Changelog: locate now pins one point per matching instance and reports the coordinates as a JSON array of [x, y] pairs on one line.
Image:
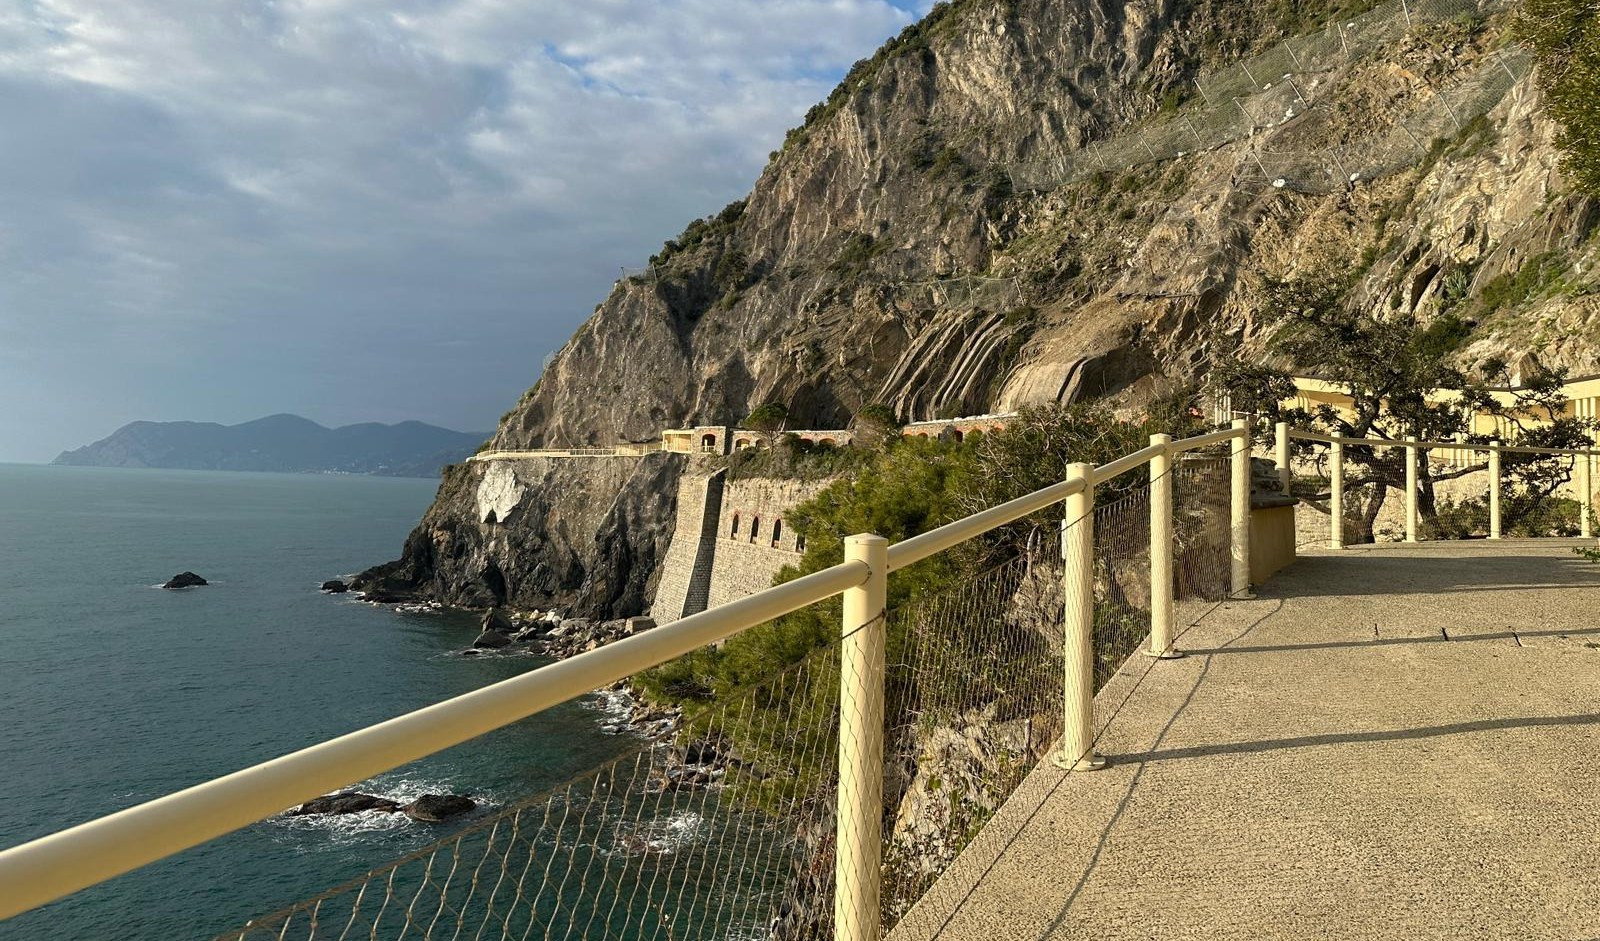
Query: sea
[[114, 691]]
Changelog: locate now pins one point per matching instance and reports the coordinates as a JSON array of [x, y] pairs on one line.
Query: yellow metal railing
[[54, 866], [1416, 450]]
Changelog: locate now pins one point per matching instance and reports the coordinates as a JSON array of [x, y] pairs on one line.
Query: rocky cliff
[[904, 246]]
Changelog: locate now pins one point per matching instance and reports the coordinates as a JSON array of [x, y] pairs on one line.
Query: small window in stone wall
[[755, 529], [799, 542], [777, 532], [735, 530]]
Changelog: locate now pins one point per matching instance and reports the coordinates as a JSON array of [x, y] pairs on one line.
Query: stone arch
[[799, 542], [734, 532], [708, 443], [755, 528], [777, 531]]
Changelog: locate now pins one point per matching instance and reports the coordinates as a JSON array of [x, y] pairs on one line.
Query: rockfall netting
[[1287, 82]]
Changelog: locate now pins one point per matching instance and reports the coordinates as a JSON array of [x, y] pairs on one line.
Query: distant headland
[[283, 443]]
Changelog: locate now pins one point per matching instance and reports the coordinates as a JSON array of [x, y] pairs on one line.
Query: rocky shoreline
[[687, 766]]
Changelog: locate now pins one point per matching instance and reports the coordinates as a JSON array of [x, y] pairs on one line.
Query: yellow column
[[1077, 549], [1494, 490], [1281, 456], [1336, 497], [1411, 488], [1586, 493], [859, 848], [1161, 551], [1240, 522]]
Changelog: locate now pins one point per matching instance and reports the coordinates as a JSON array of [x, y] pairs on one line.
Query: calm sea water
[[113, 691]]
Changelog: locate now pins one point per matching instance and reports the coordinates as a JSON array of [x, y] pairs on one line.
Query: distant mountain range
[[286, 443]]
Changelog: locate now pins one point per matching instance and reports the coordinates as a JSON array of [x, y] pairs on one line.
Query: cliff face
[[905, 247]]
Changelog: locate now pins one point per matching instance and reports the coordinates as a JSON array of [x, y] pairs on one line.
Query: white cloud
[[371, 170]]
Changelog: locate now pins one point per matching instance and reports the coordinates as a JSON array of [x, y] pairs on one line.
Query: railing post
[[1240, 522], [1586, 499], [1161, 586], [859, 847], [1280, 455], [1494, 490], [1077, 595], [1411, 488], [1336, 495]]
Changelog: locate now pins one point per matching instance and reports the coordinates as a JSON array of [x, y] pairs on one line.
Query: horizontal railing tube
[[57, 865], [1429, 445], [934, 541], [1126, 463], [1202, 441]]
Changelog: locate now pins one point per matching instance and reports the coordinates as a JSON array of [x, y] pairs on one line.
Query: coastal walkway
[[1387, 742]]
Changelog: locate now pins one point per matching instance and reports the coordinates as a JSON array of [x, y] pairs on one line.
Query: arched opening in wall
[[799, 542], [734, 532], [923, 435], [827, 441], [743, 443], [755, 529], [708, 444], [956, 434], [777, 532]]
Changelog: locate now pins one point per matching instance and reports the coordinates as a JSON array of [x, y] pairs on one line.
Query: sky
[[361, 210]]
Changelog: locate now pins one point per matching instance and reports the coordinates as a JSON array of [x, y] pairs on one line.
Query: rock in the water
[[432, 808], [492, 640], [384, 596], [496, 619], [184, 580], [334, 586], [345, 802]]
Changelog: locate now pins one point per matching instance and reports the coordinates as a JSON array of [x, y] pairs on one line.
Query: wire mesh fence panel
[[1310, 483], [1121, 581], [725, 832], [974, 702], [1202, 535]]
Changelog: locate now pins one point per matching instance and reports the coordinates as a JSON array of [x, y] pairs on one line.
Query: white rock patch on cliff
[[499, 492]]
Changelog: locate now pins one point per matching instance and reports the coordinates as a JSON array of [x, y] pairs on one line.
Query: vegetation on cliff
[[909, 488], [1566, 36]]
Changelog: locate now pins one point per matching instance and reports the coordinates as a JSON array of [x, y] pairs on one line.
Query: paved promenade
[[1395, 743]]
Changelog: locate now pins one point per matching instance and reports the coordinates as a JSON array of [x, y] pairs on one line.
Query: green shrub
[[1565, 36], [1516, 287]]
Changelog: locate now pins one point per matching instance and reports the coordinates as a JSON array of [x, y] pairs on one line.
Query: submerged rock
[[345, 802], [432, 808], [334, 586], [184, 580]]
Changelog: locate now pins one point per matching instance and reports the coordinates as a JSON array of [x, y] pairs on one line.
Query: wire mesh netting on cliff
[[728, 830], [1285, 84]]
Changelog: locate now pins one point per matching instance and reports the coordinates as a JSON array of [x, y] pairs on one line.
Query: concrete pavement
[[1398, 742]]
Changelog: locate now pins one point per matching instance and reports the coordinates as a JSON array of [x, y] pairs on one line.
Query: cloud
[[214, 210]]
